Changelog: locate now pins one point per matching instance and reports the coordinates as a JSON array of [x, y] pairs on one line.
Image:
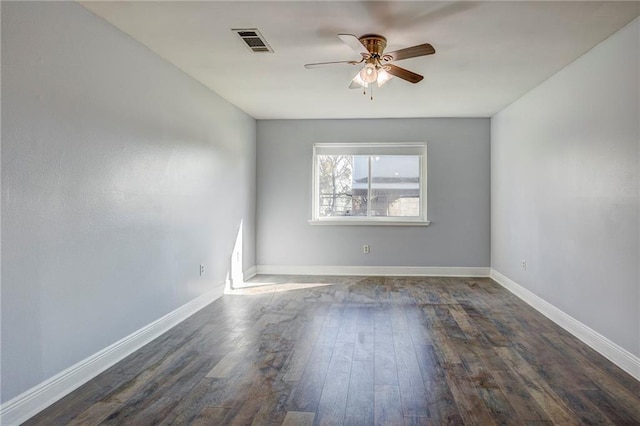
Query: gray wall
[[458, 195], [564, 182], [120, 175]]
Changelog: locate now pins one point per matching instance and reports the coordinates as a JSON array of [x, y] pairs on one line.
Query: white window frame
[[370, 149]]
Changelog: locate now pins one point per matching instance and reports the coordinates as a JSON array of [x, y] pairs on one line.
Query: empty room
[[320, 213]]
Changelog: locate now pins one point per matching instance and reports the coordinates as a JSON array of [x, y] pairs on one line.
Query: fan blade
[[354, 85], [354, 43], [411, 52], [321, 64], [402, 73]]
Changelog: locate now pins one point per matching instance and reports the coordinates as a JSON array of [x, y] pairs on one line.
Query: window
[[370, 184]]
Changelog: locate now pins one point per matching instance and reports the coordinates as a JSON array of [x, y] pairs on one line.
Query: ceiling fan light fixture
[[369, 73], [359, 81], [383, 77], [377, 67]]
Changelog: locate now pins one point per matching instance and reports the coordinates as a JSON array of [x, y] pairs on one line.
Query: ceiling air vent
[[253, 39]]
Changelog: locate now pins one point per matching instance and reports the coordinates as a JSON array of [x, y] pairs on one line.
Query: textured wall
[[565, 164], [458, 196], [120, 175]]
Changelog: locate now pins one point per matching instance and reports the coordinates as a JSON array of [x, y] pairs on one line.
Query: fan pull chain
[[364, 90]]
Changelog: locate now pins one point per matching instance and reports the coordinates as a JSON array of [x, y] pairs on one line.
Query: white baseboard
[[249, 273], [39, 397], [404, 271], [614, 353]]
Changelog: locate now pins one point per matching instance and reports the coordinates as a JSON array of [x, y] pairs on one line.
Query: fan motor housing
[[374, 43]]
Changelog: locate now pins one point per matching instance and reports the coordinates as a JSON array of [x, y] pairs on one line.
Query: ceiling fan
[[377, 64]]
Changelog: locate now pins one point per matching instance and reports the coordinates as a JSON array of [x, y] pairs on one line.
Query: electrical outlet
[[523, 263], [365, 249], [201, 270]]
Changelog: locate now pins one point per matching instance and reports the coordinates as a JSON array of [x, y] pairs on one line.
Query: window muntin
[[369, 182]]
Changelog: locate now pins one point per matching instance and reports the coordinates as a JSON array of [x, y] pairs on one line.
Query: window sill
[[339, 222]]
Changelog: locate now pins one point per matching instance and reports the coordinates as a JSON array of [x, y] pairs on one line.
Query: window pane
[[395, 185], [335, 187], [360, 184]]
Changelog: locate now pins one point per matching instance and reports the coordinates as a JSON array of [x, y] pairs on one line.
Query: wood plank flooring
[[359, 351]]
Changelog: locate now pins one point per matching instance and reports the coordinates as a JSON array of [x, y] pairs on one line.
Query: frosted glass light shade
[[383, 77], [359, 81], [369, 73]]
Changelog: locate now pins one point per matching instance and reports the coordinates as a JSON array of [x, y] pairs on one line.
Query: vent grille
[[253, 39]]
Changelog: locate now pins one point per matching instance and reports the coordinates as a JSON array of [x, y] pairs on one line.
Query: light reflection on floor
[[270, 287]]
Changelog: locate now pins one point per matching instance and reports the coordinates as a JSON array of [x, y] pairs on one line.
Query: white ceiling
[[488, 54]]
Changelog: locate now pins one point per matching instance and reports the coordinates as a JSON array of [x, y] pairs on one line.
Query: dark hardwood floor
[[359, 351]]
